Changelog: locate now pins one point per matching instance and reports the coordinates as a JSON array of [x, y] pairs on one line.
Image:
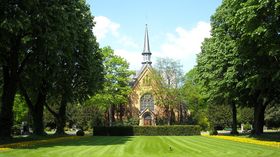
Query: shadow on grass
[[273, 136], [84, 141], [267, 136]]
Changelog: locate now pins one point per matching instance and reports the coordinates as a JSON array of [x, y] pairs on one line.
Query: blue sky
[[176, 27]]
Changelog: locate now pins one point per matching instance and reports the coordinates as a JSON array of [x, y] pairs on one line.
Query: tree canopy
[[239, 63], [116, 88], [46, 56]]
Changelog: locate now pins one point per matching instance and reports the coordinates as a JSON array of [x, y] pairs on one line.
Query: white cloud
[[107, 32], [134, 58], [105, 26], [184, 44]]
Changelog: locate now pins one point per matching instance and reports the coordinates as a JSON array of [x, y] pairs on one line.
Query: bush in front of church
[[172, 130]]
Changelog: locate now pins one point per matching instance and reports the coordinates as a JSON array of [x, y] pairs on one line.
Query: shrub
[[173, 130], [247, 127], [213, 132], [16, 129], [80, 133], [48, 129], [131, 122]]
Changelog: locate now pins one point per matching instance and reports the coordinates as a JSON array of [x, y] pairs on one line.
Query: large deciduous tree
[[116, 86], [166, 83], [15, 27], [78, 73], [257, 28], [239, 63], [194, 99], [46, 56]]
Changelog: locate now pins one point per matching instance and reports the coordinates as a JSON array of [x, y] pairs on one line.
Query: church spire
[[146, 52]]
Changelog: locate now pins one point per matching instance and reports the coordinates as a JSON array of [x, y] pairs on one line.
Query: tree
[[194, 99], [257, 33], [37, 47], [20, 110], [217, 70], [219, 116], [239, 63], [167, 80], [245, 115], [14, 45], [116, 84], [80, 67], [272, 116]]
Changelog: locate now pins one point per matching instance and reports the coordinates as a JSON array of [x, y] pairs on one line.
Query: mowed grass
[[145, 146]]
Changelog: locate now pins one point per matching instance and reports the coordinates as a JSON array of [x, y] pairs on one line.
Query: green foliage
[[50, 59], [173, 130], [85, 116], [131, 122], [20, 110], [272, 116], [245, 115], [116, 87], [213, 132], [166, 84], [117, 77], [247, 127], [200, 118], [219, 116], [239, 63], [194, 99]]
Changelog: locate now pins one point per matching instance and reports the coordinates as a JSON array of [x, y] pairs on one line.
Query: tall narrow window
[[147, 101], [147, 81]]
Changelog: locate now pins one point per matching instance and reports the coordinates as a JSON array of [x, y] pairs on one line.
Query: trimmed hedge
[[172, 130]]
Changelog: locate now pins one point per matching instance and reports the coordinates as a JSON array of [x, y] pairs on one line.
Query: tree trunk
[[110, 116], [8, 96], [113, 110], [10, 83], [181, 114], [122, 110], [37, 109], [37, 117], [234, 119], [169, 115], [258, 118], [61, 118], [38, 112]]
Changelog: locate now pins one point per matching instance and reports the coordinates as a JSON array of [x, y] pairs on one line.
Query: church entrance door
[[147, 118]]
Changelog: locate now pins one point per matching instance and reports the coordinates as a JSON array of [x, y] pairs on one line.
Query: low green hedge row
[[172, 130]]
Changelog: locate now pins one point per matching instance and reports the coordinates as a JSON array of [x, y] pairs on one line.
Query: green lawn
[[145, 146]]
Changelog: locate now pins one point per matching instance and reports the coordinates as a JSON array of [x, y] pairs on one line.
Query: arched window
[[147, 101]]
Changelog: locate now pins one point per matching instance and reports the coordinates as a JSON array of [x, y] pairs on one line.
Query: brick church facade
[[142, 98]]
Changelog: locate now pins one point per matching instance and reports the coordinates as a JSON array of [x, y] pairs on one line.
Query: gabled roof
[[141, 74], [146, 110]]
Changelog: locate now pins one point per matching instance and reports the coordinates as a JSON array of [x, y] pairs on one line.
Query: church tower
[[146, 52], [142, 97]]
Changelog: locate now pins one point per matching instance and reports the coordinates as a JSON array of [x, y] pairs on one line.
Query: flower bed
[[249, 140], [36, 142]]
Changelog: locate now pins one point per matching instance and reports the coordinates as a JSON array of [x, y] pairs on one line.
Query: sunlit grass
[[148, 146]]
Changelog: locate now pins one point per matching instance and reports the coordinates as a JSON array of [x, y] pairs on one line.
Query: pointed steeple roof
[[146, 41], [146, 52]]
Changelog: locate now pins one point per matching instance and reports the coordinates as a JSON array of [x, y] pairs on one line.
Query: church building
[[142, 99]]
